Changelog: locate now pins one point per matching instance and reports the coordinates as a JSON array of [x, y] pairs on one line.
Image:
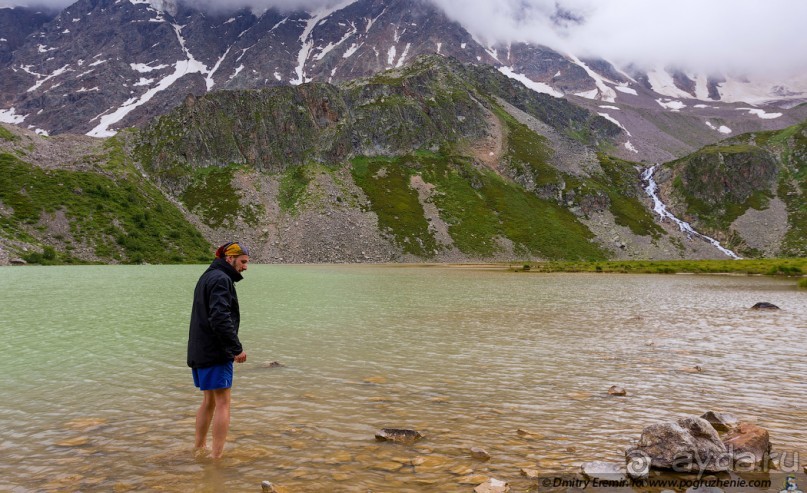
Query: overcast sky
[[744, 35]]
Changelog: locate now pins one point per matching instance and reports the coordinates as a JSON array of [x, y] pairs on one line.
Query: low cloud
[[714, 35]]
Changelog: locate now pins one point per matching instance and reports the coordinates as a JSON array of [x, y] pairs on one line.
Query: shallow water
[[96, 395]]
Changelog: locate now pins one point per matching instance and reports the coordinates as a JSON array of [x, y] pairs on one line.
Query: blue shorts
[[214, 377]]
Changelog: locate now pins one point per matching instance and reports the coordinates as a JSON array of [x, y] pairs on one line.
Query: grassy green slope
[[478, 205], [117, 215], [719, 183]]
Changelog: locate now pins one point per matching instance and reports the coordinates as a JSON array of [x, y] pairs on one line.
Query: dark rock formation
[[764, 305]]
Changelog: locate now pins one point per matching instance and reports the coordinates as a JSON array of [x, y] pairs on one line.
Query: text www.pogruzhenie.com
[[671, 483]]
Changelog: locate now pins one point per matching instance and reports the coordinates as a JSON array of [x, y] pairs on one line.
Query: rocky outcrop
[[429, 104]]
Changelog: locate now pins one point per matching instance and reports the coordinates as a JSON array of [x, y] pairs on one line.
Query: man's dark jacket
[[213, 337]]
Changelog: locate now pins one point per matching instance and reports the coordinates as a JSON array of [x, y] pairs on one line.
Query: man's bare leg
[[204, 416], [221, 421]]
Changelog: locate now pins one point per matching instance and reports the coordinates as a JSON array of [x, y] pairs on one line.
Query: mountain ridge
[[104, 65], [434, 161]]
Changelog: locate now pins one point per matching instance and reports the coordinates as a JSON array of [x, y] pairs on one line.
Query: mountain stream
[[651, 187]]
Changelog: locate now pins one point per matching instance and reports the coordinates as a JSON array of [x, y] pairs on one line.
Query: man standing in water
[[213, 342]]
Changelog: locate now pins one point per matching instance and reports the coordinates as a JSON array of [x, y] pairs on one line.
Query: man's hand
[[241, 357]]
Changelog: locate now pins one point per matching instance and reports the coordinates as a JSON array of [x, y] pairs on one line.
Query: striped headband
[[232, 249]]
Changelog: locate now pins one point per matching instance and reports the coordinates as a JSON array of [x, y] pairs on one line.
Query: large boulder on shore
[[749, 445], [720, 421], [690, 444]]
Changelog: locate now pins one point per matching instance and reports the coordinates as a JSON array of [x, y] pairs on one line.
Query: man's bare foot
[[201, 452]]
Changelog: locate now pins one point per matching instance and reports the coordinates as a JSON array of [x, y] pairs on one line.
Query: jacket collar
[[222, 265]]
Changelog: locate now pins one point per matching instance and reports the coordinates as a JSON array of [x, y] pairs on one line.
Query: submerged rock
[[267, 487], [479, 453], [74, 442], [271, 364], [720, 421], [529, 435], [617, 390], [492, 485], [764, 305], [690, 444], [398, 435], [530, 473], [603, 470]]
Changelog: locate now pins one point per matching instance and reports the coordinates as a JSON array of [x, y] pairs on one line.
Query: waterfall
[[651, 187]]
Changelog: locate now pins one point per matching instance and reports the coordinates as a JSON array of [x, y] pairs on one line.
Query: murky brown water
[[96, 395]]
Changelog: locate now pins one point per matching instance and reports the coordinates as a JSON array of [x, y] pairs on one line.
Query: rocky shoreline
[[696, 452]]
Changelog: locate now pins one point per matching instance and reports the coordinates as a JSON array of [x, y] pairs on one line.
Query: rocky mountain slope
[[433, 161], [749, 191], [104, 65]]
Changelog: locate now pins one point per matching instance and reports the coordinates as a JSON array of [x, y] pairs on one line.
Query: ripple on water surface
[[98, 396]]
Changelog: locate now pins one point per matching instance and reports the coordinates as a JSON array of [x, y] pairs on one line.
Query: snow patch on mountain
[[722, 128], [370, 22], [403, 56], [625, 89], [615, 122], [10, 116], [759, 91], [353, 49], [592, 94], [324, 51], [761, 113], [317, 17], [144, 68], [39, 82], [169, 6], [183, 67], [535, 86], [605, 93], [631, 147], [391, 55], [671, 104], [701, 86], [662, 82]]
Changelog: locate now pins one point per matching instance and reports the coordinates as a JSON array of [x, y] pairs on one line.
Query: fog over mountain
[[740, 36]]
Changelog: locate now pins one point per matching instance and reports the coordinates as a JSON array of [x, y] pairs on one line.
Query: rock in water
[[271, 364], [479, 453], [607, 471], [492, 486], [690, 444], [617, 390], [749, 445], [268, 487], [398, 435], [764, 305], [720, 421]]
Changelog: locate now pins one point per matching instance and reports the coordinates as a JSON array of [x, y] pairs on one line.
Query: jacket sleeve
[[220, 317]]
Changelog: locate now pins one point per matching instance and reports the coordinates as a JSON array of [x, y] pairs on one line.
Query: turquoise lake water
[[96, 395]]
